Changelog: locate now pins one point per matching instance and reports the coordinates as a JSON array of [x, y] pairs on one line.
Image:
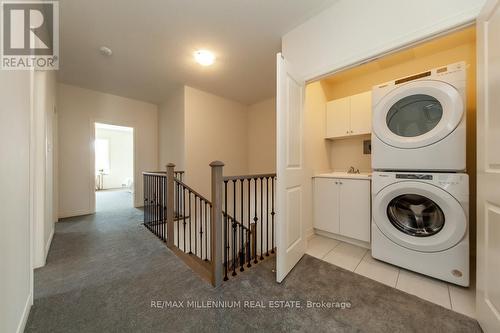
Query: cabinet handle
[[347, 132], [341, 183], [352, 131]]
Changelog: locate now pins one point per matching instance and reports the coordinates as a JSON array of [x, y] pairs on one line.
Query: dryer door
[[418, 114], [419, 216]]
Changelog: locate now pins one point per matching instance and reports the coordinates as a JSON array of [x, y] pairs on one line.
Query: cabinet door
[[355, 209], [361, 113], [326, 204], [337, 118]]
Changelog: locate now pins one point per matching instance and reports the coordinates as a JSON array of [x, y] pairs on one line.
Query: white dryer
[[419, 121], [420, 222]]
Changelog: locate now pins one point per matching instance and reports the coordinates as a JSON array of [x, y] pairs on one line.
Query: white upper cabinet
[[350, 115], [338, 117], [361, 113]]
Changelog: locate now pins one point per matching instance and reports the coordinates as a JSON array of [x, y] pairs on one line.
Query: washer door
[[418, 114], [419, 216]]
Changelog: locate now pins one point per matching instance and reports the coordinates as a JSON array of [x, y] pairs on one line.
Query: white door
[[361, 113], [290, 238], [338, 117], [488, 168]]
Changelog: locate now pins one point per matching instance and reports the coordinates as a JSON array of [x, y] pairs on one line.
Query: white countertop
[[345, 175]]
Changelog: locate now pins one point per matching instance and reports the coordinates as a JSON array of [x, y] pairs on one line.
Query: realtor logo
[[30, 35]]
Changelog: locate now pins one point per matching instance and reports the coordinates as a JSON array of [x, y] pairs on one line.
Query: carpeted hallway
[[104, 270]]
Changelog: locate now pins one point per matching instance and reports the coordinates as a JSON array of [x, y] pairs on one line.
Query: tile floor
[[359, 260]]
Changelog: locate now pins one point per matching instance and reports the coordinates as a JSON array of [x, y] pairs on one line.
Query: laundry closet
[[338, 131]]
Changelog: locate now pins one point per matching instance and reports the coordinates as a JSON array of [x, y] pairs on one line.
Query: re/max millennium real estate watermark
[[30, 35]]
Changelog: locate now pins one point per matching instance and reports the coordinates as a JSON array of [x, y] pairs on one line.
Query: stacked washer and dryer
[[420, 191]]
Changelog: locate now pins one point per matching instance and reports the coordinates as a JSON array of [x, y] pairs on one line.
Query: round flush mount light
[[105, 51], [204, 57]]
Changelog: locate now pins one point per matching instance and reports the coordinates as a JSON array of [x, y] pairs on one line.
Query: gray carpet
[[113, 199], [104, 270]]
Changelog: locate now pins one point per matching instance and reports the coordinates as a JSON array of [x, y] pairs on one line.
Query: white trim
[[26, 313], [345, 239], [47, 245], [80, 212]]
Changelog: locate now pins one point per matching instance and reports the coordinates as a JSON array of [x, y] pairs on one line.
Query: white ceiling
[[153, 42]]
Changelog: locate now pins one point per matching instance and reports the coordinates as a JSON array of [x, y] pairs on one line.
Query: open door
[[488, 168], [290, 237]]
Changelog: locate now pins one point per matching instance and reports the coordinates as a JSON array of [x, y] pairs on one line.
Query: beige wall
[[262, 137], [171, 130], [215, 129], [15, 266], [44, 130], [348, 152], [316, 148], [78, 110]]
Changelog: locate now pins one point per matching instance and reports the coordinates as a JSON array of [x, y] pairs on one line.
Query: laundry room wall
[[454, 47]]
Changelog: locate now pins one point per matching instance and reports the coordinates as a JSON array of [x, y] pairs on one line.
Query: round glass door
[[415, 215], [417, 114], [414, 115]]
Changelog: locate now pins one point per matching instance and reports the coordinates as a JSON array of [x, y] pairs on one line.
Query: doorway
[[114, 167]]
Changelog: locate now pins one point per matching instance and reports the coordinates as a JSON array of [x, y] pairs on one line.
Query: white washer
[[420, 222], [419, 121]]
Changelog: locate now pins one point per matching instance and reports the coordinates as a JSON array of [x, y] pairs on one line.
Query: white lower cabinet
[[342, 206]]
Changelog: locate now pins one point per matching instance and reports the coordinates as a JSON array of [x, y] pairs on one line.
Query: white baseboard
[[345, 239], [25, 315], [49, 242], [64, 215]]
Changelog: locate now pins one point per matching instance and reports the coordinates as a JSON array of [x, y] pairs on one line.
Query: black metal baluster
[[201, 228], [144, 191], [155, 207], [272, 215], [234, 246], [190, 220], [226, 243], [261, 219], [178, 214], [195, 224], [162, 209], [267, 216], [206, 233], [242, 243], [255, 219], [234, 228], [184, 215], [249, 253]]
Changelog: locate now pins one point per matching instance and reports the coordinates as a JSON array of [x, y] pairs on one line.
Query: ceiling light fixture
[[204, 57], [105, 51]]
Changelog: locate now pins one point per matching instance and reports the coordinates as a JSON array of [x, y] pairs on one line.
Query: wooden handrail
[[187, 187], [154, 173], [254, 176]]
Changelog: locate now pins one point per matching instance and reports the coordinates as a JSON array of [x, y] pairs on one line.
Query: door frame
[[93, 121]]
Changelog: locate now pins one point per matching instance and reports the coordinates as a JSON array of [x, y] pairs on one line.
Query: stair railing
[[217, 237]]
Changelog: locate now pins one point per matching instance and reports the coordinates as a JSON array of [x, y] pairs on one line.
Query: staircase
[[218, 238]]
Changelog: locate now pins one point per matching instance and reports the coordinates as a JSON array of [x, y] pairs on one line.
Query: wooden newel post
[[170, 204], [216, 222]]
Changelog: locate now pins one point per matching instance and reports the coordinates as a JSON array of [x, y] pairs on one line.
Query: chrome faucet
[[353, 170]]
